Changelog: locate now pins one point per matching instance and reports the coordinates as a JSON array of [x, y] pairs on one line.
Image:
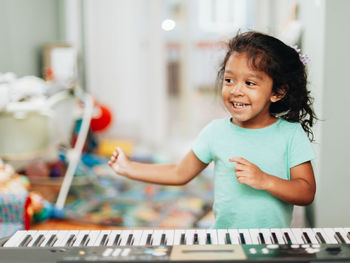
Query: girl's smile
[[247, 93]]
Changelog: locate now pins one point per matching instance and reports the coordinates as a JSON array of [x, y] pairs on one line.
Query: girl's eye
[[249, 83], [229, 81]]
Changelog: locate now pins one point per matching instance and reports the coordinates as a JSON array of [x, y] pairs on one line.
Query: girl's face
[[247, 93]]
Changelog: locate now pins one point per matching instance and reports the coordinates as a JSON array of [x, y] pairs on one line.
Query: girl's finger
[[239, 160]]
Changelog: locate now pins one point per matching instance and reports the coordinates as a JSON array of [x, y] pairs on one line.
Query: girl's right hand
[[119, 162]]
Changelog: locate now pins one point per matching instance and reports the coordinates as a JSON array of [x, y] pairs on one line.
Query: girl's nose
[[237, 90]]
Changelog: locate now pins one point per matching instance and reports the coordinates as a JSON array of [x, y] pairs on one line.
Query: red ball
[[101, 119]]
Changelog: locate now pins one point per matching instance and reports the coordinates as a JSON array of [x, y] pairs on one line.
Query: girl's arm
[[299, 190], [167, 174]]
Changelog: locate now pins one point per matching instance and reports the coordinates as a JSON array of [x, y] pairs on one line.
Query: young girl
[[261, 153]]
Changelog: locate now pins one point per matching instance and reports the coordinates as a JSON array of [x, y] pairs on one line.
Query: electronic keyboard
[[180, 245]]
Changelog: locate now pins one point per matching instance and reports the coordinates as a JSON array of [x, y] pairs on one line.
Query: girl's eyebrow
[[250, 75]]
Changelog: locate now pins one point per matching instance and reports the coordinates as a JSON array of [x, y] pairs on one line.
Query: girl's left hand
[[249, 174]]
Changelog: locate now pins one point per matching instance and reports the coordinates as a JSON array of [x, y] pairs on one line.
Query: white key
[[311, 235], [246, 234], [48, 235], [100, 237], [279, 235], [254, 234], [112, 236], [169, 237], [80, 237], [267, 235], [298, 234], [343, 233], [234, 236], [189, 236], [16, 239], [291, 235], [202, 236], [60, 237], [222, 236], [324, 235], [93, 234], [157, 235], [144, 237], [330, 233], [124, 237], [347, 230], [177, 236], [213, 235], [137, 237]]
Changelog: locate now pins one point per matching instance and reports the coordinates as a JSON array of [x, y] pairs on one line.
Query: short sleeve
[[300, 149], [201, 145]]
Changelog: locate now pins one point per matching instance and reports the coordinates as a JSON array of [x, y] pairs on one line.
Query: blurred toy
[[41, 209], [101, 118]]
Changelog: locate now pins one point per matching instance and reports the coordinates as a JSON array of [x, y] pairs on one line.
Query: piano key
[[288, 234], [71, 234], [347, 230], [254, 234], [311, 235], [342, 232], [137, 237], [202, 236], [195, 239], [169, 237], [103, 235], [157, 236], [321, 236], [93, 235], [267, 235], [113, 238], [80, 236], [245, 236], [298, 234], [71, 240], [177, 236], [16, 239], [52, 240], [234, 235], [189, 236], [279, 236], [222, 238], [144, 237], [331, 235], [61, 235], [213, 235]]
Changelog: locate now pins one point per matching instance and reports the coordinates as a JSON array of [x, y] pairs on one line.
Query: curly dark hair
[[282, 63]]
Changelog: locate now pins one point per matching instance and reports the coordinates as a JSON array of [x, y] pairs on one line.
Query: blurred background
[[142, 74]]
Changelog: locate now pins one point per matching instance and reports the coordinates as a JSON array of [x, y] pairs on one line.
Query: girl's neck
[[255, 124]]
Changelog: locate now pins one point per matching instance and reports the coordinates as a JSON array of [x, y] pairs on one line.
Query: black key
[[242, 239], [339, 238], [287, 238], [195, 239], [39, 241], [51, 241], [274, 238], [129, 241], [85, 240], [348, 235], [306, 238], [70, 240], [163, 239], [104, 240], [261, 238], [208, 239], [228, 239], [149, 240], [183, 239], [26, 241], [116, 240], [320, 238]]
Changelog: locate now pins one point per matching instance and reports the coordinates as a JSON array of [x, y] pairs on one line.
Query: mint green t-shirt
[[274, 149]]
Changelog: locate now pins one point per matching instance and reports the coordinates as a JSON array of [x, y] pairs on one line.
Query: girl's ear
[[279, 94]]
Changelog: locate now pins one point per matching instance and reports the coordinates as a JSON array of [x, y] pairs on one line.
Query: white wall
[[326, 40], [126, 66]]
